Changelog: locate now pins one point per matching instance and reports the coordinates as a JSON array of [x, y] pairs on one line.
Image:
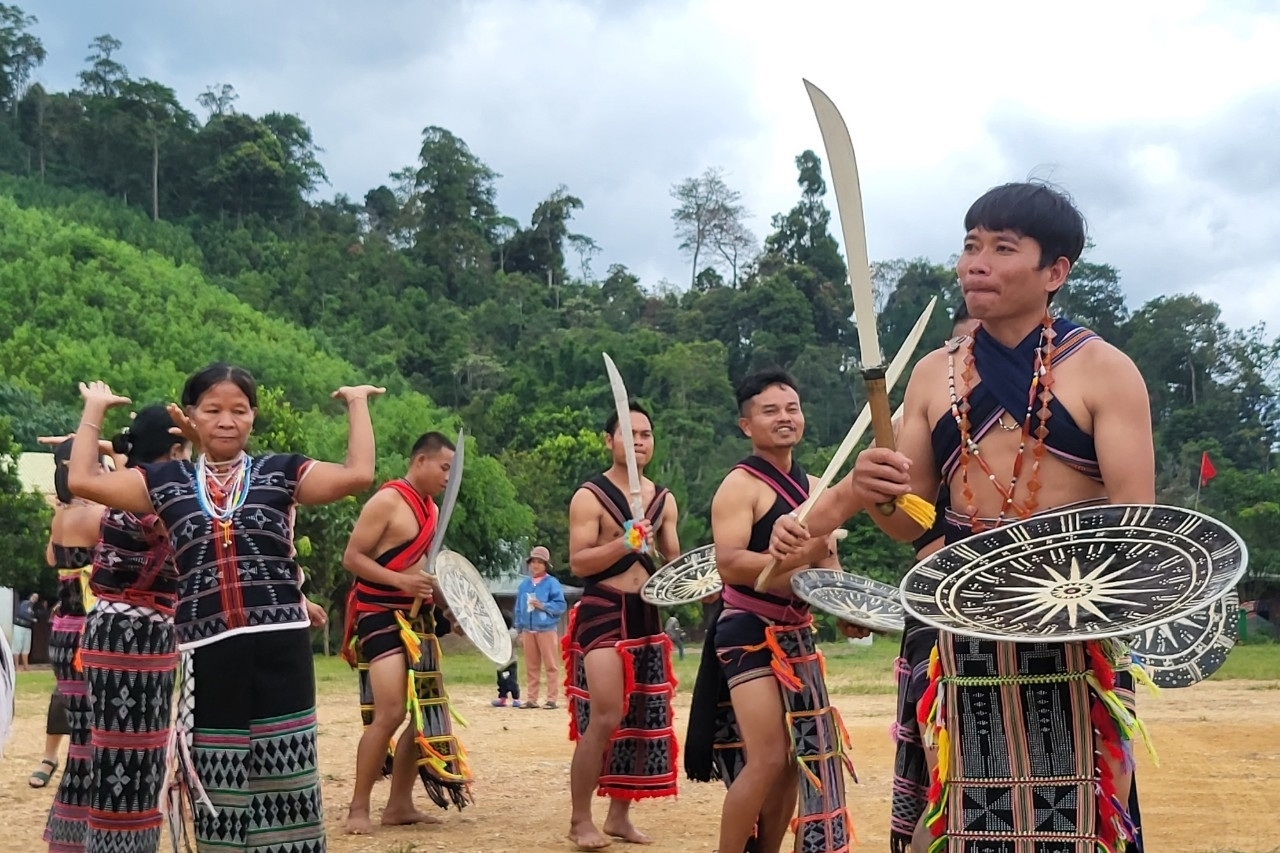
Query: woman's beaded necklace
[[222, 494], [1041, 385]]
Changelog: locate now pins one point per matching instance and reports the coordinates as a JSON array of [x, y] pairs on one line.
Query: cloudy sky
[[1161, 118]]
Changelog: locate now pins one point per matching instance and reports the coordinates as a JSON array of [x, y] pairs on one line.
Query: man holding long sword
[[617, 658], [778, 733], [387, 551], [1016, 422]]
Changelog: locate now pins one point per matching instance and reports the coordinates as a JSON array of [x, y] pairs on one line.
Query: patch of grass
[[1260, 662], [851, 670], [35, 683]]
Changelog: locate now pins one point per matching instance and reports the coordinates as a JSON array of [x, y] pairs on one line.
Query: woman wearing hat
[[538, 608]]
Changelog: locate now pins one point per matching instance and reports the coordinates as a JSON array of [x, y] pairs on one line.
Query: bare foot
[[626, 831], [358, 822], [587, 837], [406, 817]]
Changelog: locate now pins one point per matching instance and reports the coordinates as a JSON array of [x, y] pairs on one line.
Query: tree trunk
[[155, 175]]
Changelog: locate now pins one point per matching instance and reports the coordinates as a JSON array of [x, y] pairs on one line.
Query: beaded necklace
[[1041, 385], [220, 498]]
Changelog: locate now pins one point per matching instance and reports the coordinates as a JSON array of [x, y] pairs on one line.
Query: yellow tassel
[[457, 718], [917, 509], [412, 645], [944, 754], [1141, 676]]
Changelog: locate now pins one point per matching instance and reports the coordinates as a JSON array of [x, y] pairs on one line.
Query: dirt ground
[[1214, 790]]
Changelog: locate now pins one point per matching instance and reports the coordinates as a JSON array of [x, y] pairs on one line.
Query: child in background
[[509, 676]]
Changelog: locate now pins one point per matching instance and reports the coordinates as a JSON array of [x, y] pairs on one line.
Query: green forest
[[141, 238]]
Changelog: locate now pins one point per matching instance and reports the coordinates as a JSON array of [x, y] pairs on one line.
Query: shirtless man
[[1092, 441], [615, 555], [763, 777], [386, 553]]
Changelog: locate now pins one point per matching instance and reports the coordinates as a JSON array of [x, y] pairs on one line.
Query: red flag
[[1207, 471]]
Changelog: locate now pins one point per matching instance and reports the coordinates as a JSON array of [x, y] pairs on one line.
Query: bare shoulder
[[382, 502], [1121, 371], [583, 504], [735, 483], [929, 368]]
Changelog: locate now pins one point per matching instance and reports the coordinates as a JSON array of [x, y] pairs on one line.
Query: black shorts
[[378, 635], [57, 721], [741, 647]]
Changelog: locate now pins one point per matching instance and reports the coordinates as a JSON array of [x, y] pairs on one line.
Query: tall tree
[[104, 76], [302, 166], [21, 53], [709, 216], [157, 111], [447, 205], [218, 99], [802, 236], [540, 249]]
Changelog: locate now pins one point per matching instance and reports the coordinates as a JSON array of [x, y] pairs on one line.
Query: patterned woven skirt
[[640, 762], [69, 815], [442, 762], [819, 740], [129, 655], [250, 702], [1018, 728]]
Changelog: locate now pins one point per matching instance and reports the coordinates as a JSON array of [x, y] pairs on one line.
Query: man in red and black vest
[[386, 553]]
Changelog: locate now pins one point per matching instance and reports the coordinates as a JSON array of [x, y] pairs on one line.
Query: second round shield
[[1189, 650], [688, 578], [857, 600], [473, 606]]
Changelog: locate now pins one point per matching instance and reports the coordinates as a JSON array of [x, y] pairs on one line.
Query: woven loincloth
[[640, 762], [1018, 727], [442, 762], [819, 740]]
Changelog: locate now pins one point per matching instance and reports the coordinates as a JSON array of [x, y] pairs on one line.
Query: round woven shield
[[690, 577], [473, 606], [1189, 650], [850, 598], [1078, 574]]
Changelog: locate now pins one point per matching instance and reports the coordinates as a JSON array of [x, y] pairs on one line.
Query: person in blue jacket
[[538, 608]]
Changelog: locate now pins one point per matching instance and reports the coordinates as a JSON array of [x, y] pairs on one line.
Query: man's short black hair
[[611, 423], [430, 443], [753, 383], [1033, 210], [960, 314]]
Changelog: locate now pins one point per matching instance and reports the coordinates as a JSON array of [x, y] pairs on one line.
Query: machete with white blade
[[622, 405], [447, 503], [848, 193]]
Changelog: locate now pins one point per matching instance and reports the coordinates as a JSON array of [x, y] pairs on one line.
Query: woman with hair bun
[[247, 711]]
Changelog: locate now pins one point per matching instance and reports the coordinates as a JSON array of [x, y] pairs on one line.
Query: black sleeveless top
[[615, 504], [792, 488]]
